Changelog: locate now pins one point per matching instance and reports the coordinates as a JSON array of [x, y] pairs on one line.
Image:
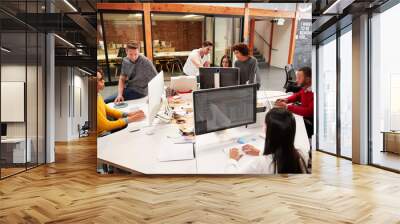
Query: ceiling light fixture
[[5, 49], [338, 6], [189, 16], [65, 41], [84, 71], [70, 5]]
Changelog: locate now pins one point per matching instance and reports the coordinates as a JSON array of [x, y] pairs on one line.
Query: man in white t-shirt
[[198, 58]]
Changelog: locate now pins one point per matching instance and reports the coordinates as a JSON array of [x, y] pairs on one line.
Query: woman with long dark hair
[[280, 155], [226, 62]]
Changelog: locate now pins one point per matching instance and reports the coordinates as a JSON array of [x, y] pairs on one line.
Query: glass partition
[[385, 89], [174, 37], [116, 30], [327, 96], [22, 90], [346, 94], [15, 151], [32, 98], [224, 34]]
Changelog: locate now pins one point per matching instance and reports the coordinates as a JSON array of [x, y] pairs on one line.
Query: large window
[[227, 33], [114, 30], [327, 96], [174, 37], [385, 89], [346, 93]]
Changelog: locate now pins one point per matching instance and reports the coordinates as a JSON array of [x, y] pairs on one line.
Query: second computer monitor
[[215, 77], [223, 108]]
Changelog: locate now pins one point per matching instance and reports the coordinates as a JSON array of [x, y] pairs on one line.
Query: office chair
[[84, 130], [290, 84]]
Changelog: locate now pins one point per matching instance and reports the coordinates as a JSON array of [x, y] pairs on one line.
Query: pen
[[135, 130]]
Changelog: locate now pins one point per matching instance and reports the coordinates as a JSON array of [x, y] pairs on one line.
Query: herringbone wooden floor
[[70, 191]]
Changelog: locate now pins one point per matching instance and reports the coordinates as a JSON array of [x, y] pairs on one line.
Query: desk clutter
[[192, 132]]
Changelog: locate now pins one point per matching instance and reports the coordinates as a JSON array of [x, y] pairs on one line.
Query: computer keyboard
[[237, 146]]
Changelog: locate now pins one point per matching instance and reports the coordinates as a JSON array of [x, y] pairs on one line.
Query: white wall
[[33, 127], [264, 28], [281, 42], [71, 87]]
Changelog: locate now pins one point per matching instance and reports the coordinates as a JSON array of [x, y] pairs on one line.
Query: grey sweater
[[139, 73], [248, 71]]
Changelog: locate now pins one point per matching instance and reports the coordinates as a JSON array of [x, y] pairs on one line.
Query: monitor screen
[[223, 108], [155, 93], [3, 129], [227, 77]]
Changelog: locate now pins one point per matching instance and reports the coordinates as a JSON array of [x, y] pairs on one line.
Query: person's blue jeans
[[128, 94]]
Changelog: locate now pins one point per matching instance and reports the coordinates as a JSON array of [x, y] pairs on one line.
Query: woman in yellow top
[[104, 125]]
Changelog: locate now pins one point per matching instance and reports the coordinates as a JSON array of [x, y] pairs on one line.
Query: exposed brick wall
[[183, 35], [122, 33]]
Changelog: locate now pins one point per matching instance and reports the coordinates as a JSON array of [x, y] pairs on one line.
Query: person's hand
[[133, 113], [119, 99], [206, 64], [136, 116], [281, 100], [234, 154], [281, 104], [251, 150]]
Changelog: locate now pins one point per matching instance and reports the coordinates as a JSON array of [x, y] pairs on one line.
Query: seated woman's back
[[280, 155], [279, 142]]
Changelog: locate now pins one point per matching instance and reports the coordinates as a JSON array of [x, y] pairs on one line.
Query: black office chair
[[84, 130], [290, 84]]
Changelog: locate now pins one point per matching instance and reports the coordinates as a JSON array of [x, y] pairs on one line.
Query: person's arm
[[195, 59], [207, 63], [121, 86], [103, 124], [293, 98], [303, 110], [257, 74], [152, 69], [254, 76], [114, 113], [106, 125], [258, 166]]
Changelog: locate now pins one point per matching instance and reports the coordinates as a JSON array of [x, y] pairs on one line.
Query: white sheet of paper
[[175, 152]]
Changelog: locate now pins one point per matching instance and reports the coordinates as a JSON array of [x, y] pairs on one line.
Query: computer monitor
[[223, 108], [155, 93], [215, 77], [3, 129]]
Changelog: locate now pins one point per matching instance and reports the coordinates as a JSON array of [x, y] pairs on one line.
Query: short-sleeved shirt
[[139, 73], [189, 68]]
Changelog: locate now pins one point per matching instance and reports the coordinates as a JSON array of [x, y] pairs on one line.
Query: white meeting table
[[139, 151]]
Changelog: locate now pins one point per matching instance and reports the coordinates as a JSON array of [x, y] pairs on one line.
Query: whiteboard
[[12, 101]]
